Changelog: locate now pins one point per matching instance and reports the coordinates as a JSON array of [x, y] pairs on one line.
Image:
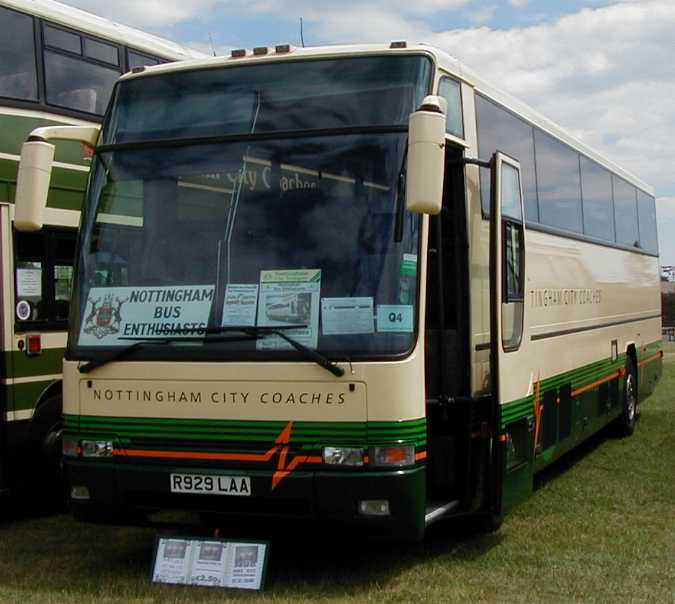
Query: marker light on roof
[[399, 44], [260, 50], [280, 48], [238, 53]]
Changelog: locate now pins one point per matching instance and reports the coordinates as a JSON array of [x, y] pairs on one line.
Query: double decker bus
[[353, 284], [58, 67]]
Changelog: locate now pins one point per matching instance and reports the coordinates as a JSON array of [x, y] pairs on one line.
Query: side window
[[558, 184], [596, 192], [76, 74], [106, 53], [18, 72], [136, 59], [451, 91], [647, 222], [625, 213], [499, 130], [43, 277]]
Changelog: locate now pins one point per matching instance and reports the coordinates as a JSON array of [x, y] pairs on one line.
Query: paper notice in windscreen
[[344, 316], [287, 298], [241, 301]]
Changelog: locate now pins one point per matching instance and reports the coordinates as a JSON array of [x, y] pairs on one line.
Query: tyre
[[45, 437], [625, 423]]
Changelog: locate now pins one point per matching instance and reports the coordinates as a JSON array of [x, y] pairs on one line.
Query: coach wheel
[[626, 421], [47, 430]]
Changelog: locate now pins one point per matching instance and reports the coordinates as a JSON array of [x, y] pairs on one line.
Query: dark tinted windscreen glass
[[647, 222], [596, 186], [498, 130], [77, 84], [18, 79], [281, 96], [625, 212], [558, 184]]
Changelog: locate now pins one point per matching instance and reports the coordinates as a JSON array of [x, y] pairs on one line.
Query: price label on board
[[210, 563]]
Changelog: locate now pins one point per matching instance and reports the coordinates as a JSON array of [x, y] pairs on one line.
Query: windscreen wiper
[[250, 332], [143, 342], [259, 331]]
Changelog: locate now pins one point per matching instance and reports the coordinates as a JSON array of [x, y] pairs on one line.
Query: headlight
[[96, 448], [343, 456], [396, 456]]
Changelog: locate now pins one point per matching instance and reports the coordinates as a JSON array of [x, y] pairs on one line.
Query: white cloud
[[606, 74], [518, 3], [148, 14], [482, 14]]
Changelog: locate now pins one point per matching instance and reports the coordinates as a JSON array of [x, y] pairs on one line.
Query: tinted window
[[77, 84], [101, 52], [288, 96], [625, 212], [511, 192], [139, 60], [64, 40], [450, 90], [18, 78], [558, 184], [596, 188], [43, 278], [647, 222], [499, 130]]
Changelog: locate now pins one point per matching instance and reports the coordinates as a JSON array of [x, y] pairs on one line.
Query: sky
[[603, 69]]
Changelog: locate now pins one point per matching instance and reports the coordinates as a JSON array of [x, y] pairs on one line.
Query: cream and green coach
[[354, 285], [58, 67]]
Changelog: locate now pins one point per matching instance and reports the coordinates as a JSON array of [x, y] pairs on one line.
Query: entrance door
[[512, 445]]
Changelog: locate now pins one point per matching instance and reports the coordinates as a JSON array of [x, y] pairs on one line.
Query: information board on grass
[[210, 563]]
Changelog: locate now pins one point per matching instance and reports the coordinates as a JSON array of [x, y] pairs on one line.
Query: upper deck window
[[80, 72], [136, 59], [63, 40], [106, 53], [271, 97], [18, 74]]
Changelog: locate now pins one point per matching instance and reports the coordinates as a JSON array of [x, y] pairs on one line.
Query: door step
[[435, 510]]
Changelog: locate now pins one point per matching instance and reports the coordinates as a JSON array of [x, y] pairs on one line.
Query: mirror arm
[[83, 134], [472, 161]]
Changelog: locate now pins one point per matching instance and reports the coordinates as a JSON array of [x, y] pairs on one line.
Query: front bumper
[[318, 495]]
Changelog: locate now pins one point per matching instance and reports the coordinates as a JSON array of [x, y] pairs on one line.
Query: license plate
[[211, 484]]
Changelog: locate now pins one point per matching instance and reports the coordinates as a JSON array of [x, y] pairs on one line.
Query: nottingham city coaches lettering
[[545, 298], [223, 398]]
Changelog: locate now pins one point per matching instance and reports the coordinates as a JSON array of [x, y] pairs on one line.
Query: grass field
[[599, 528]]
